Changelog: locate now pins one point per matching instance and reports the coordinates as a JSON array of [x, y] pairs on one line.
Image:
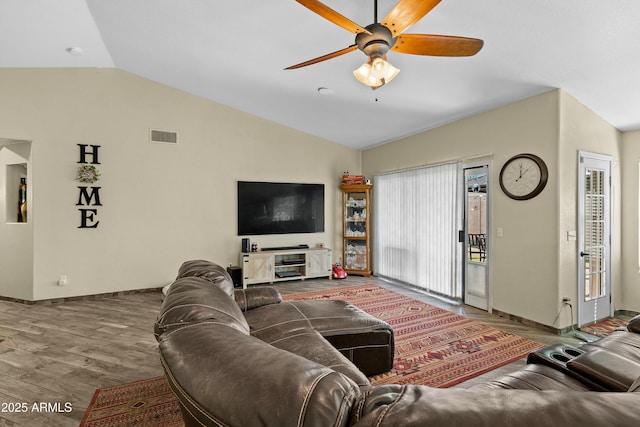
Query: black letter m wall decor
[[85, 197]]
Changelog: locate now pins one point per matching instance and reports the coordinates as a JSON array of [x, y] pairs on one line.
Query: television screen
[[279, 208]]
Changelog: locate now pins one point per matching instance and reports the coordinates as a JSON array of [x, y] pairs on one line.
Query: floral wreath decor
[[88, 174]]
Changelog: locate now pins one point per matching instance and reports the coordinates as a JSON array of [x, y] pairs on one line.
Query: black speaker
[[246, 245], [236, 275]]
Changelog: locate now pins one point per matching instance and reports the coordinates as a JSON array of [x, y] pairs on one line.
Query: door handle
[[583, 254]]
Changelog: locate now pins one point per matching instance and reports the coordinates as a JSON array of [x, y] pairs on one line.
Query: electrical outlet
[[566, 300]]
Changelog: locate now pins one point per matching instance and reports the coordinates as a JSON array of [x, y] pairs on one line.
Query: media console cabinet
[[288, 264]]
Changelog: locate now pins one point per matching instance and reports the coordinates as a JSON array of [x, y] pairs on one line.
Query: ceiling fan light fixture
[[376, 72], [376, 39]]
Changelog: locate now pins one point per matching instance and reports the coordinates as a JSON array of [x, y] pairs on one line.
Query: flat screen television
[[279, 208]]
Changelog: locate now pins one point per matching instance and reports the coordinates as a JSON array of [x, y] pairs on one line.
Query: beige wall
[[583, 130], [523, 262], [16, 239], [533, 266], [162, 204], [629, 297]]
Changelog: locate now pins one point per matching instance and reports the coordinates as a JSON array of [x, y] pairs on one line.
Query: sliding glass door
[[476, 277], [418, 213]]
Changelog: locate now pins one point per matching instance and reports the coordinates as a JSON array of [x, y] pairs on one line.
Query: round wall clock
[[523, 176]]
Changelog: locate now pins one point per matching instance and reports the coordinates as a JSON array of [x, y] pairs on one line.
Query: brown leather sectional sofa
[[245, 358]]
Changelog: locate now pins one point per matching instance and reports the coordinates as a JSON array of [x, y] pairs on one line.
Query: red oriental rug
[[145, 403], [604, 327], [434, 347]]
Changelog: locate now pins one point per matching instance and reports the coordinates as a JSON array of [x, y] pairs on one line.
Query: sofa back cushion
[[193, 300], [208, 270], [272, 322], [226, 378]]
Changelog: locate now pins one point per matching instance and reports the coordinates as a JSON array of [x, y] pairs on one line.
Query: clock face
[[523, 176]]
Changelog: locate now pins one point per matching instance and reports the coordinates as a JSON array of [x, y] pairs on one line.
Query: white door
[[476, 277], [594, 238]]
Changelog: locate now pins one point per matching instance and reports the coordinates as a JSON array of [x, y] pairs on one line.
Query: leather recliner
[[225, 374]]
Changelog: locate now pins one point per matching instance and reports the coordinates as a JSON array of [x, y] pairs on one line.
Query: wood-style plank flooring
[[59, 353]]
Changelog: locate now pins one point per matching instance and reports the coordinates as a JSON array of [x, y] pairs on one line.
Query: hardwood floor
[[59, 353]]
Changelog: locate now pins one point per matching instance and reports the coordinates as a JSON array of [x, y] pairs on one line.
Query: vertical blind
[[416, 220]]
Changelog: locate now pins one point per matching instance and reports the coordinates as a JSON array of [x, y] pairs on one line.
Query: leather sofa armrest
[[419, 406], [614, 372], [248, 299], [635, 387], [634, 324]]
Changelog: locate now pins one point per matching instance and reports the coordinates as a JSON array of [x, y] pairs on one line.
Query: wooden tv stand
[[287, 264]]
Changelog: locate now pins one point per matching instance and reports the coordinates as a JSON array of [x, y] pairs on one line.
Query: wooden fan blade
[[436, 45], [333, 16], [406, 13], [324, 57]]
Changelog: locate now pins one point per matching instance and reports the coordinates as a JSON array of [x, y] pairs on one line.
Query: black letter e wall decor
[[88, 196]]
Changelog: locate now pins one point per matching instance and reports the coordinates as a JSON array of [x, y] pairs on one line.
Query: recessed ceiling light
[[75, 51], [325, 91]]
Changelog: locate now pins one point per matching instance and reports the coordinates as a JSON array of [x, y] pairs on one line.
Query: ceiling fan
[[376, 39]]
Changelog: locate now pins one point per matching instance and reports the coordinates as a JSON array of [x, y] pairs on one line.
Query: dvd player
[[282, 274]]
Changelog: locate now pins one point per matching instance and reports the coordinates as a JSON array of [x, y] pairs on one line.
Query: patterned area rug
[[145, 403], [604, 327], [434, 347]]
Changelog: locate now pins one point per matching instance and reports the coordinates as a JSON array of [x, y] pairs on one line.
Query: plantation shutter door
[[417, 215]]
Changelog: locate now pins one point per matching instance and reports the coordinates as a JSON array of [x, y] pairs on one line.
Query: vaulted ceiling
[[234, 52]]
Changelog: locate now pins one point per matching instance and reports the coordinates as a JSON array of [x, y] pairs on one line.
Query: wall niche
[[14, 180], [16, 193]]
